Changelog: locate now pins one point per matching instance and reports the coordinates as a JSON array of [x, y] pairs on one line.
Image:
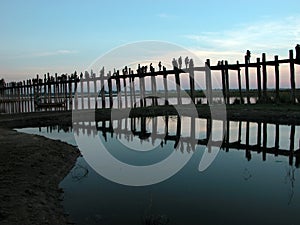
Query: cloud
[[53, 53], [43, 54], [267, 35], [165, 16]]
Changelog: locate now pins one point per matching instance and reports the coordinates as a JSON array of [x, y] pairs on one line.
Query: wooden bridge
[[119, 90]]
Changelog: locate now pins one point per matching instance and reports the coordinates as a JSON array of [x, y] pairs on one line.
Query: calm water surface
[[241, 186]]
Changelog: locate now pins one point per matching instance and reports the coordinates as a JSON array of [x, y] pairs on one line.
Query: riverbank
[[31, 169]]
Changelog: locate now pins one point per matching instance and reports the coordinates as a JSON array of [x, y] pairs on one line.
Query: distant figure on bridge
[[151, 68], [186, 62], [174, 63], [248, 56], [191, 63], [139, 69], [159, 65], [180, 62], [297, 48]]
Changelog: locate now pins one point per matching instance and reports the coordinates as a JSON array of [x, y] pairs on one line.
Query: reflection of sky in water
[[232, 190]]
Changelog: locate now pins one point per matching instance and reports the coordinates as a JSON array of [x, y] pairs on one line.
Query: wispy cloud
[[44, 54], [165, 16], [53, 53], [265, 35]]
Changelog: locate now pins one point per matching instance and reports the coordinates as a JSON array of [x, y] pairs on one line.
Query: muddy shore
[[32, 166], [31, 169]]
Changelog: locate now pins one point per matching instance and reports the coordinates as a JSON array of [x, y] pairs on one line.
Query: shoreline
[[32, 167]]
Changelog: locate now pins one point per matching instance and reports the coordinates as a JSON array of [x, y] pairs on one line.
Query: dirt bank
[[31, 169]]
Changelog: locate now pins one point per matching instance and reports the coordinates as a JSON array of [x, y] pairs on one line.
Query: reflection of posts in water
[[264, 141], [227, 134], [240, 132], [248, 152], [258, 134], [276, 139], [292, 141], [154, 129], [178, 132], [193, 133]]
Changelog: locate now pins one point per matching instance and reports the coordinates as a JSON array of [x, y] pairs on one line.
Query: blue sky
[[39, 36]]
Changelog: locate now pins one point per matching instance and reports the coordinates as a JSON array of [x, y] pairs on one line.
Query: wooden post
[[247, 79], [208, 82], [277, 97], [95, 90], [192, 83], [227, 83], [178, 89], [82, 92], [153, 87], [258, 74], [134, 93], [292, 79], [265, 81], [110, 90], [240, 82], [125, 90], [166, 87], [224, 82], [87, 76], [102, 88], [142, 97]]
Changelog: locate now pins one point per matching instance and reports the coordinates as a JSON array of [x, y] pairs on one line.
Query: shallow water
[[239, 186]]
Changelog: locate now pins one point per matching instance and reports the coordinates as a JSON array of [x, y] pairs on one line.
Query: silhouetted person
[[191, 63], [139, 69], [174, 63], [297, 48], [186, 61], [151, 68], [248, 56], [159, 65], [180, 62]]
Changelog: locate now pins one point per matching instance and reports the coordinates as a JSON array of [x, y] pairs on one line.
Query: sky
[[40, 36]]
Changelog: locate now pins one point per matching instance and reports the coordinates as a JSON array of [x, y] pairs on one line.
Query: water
[[239, 187]]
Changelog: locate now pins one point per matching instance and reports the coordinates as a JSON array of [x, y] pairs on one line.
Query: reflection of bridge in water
[[189, 132]]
